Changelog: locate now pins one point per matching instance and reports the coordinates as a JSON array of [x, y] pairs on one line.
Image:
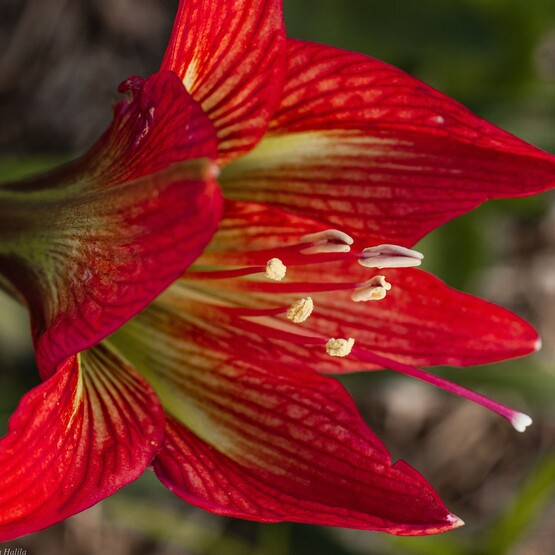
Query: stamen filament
[[252, 312], [225, 274], [281, 333], [291, 286]]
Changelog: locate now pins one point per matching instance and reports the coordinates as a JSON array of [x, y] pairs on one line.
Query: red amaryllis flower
[[333, 165]]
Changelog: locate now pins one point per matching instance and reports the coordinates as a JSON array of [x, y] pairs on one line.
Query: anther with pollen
[[374, 290], [275, 269], [339, 347], [300, 310]]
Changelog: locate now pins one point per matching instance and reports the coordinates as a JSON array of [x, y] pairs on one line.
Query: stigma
[[520, 421]]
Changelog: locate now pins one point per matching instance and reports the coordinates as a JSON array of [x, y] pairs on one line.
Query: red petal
[[421, 322], [95, 243], [75, 439], [361, 146], [231, 58], [268, 442], [324, 472], [159, 124]]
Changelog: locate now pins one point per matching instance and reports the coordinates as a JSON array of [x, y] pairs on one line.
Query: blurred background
[[61, 62]]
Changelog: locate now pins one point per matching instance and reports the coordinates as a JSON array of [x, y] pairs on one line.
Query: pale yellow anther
[[300, 310], [375, 290], [328, 241], [275, 269], [339, 347], [390, 256]]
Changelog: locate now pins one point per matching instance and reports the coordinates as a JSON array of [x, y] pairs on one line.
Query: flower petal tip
[[538, 345], [521, 421], [454, 521]]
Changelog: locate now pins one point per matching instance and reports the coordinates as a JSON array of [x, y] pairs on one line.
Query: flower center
[[263, 301]]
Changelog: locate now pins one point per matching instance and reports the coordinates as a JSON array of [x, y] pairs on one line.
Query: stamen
[[375, 290], [224, 274], [275, 269], [300, 310], [390, 256], [297, 312], [339, 347], [329, 241]]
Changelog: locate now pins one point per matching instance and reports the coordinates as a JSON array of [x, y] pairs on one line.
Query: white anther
[[390, 256], [521, 421], [275, 269], [328, 241], [375, 290], [339, 347], [300, 310], [326, 248]]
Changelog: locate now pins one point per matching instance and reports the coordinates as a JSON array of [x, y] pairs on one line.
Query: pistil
[[518, 420]]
